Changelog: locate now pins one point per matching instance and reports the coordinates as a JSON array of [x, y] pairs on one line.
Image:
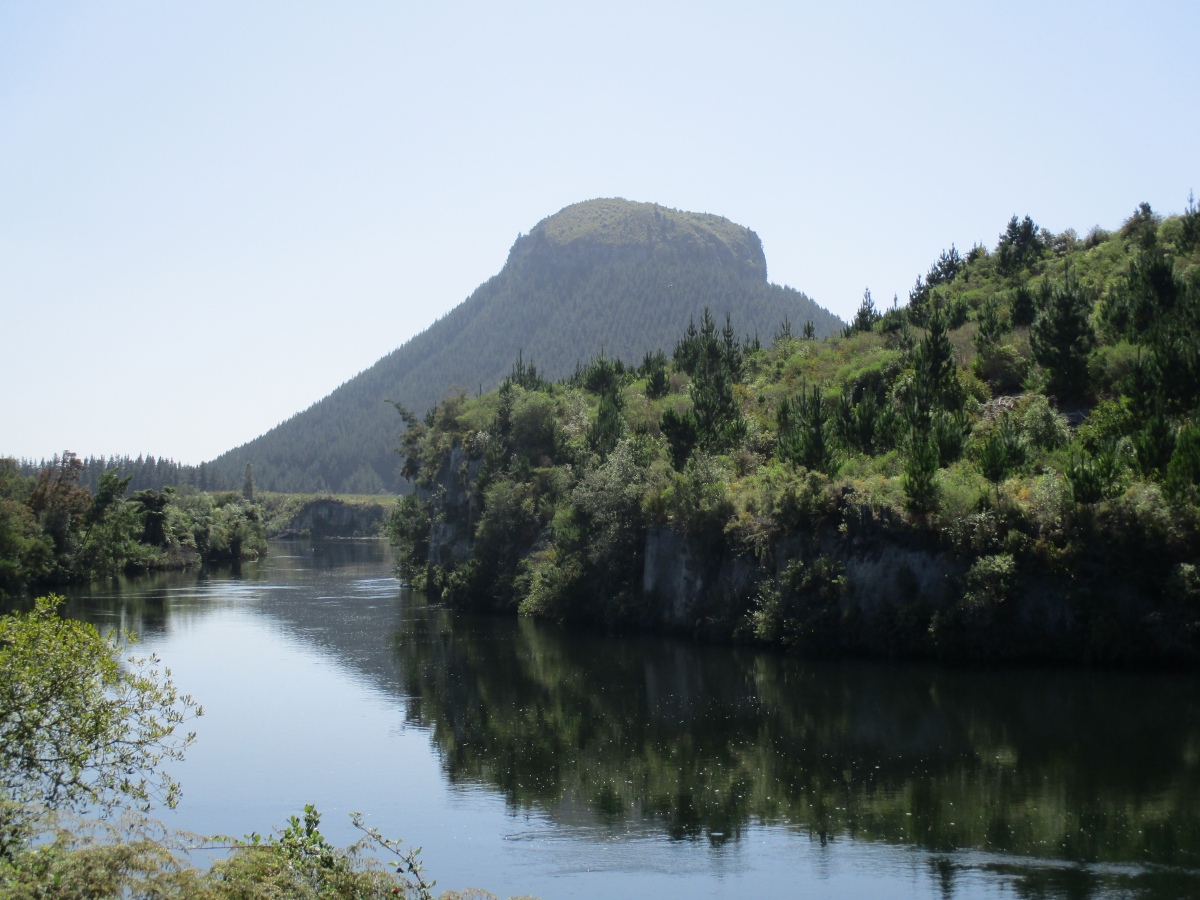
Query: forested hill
[[604, 274]]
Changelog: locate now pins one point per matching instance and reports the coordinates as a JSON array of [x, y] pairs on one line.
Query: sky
[[212, 214]]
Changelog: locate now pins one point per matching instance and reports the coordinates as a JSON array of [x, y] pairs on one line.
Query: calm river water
[[528, 760]]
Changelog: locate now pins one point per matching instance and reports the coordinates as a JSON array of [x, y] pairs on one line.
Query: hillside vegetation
[[1006, 467], [56, 529], [605, 274]]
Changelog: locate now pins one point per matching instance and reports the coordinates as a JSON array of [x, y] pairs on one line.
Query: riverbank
[[1008, 468]]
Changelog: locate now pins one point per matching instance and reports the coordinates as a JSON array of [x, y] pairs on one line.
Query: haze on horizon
[[211, 216]]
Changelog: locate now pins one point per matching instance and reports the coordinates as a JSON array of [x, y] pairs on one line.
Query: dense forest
[[1005, 467], [606, 274], [56, 529], [145, 473]]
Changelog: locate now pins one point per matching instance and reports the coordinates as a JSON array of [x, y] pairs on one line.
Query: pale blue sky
[[211, 214]]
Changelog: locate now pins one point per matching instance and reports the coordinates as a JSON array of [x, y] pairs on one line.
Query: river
[[524, 759]]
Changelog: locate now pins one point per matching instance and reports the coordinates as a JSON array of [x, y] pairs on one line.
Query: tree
[[936, 369], [679, 428], [1020, 246], [803, 432], [866, 317], [920, 474], [78, 728], [1062, 335], [1024, 310], [248, 484], [608, 429], [1189, 234], [992, 326], [654, 370]]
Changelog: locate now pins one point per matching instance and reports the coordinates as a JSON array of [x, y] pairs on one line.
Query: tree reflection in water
[[698, 741]]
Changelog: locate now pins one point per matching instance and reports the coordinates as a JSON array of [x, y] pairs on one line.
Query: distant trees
[[54, 530]]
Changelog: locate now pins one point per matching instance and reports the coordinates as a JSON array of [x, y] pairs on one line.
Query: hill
[[605, 274], [1008, 467]]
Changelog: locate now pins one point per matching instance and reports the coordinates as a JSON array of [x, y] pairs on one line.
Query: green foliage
[[603, 274], [866, 318], [1042, 426], [1002, 452], [1183, 472], [992, 326], [53, 530], [1189, 232], [1020, 246], [804, 437], [801, 609], [682, 434], [1096, 477], [609, 426], [714, 363], [134, 859], [933, 361], [77, 727], [1062, 336], [408, 528], [976, 624], [654, 370], [1154, 445], [1023, 306], [1001, 366], [920, 474], [864, 426], [734, 453]]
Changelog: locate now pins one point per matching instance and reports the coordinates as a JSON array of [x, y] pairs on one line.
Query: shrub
[[1043, 427], [801, 608]]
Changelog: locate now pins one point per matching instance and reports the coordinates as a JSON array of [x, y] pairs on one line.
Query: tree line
[[1028, 418]]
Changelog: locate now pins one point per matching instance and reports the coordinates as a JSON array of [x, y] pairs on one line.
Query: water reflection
[[706, 741], [1028, 783]]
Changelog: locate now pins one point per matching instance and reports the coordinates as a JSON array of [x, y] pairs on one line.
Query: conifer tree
[[804, 435], [248, 484], [1061, 336], [920, 484], [681, 433], [936, 370], [1020, 246], [866, 317]]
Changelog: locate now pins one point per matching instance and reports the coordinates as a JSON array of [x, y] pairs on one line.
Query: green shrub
[[1042, 426], [801, 608]]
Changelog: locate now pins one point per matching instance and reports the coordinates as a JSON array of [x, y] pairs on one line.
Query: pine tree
[[681, 433], [992, 326], [866, 317], [608, 429], [921, 492], [1020, 246], [248, 484], [804, 435], [1024, 310], [936, 370], [1061, 336]]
